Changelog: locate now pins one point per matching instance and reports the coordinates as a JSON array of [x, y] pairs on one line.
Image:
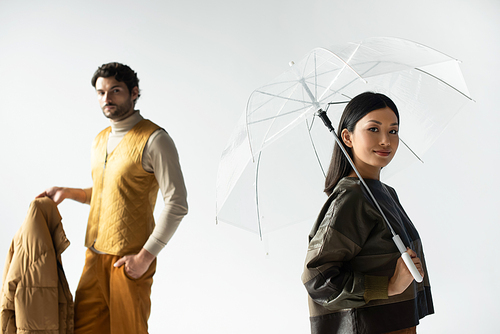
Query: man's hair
[[121, 72]]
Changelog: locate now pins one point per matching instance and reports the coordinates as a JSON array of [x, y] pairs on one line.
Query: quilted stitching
[[121, 217]]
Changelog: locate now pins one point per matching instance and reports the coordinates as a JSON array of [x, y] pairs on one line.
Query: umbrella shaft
[[308, 91], [397, 240], [322, 114]]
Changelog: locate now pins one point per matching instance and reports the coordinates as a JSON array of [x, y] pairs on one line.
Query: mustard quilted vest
[[123, 195]]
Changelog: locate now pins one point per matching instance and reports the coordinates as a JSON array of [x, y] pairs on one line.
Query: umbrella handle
[[411, 267], [407, 259]]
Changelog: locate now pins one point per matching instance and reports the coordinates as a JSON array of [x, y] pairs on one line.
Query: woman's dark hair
[[355, 110], [122, 73]]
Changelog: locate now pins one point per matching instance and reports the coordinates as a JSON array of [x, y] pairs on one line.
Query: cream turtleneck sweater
[[159, 157]]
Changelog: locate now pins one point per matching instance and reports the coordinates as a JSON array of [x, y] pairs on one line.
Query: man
[[131, 159]]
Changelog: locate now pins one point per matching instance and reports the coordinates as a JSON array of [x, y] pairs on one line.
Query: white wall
[[198, 62]]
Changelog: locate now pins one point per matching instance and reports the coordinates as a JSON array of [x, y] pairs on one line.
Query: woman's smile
[[383, 153]]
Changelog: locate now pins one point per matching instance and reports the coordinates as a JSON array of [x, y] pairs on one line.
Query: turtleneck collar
[[122, 127]]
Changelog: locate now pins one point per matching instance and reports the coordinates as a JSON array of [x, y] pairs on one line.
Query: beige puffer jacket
[[35, 295]]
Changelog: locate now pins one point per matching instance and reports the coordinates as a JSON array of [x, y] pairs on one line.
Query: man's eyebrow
[[115, 86]]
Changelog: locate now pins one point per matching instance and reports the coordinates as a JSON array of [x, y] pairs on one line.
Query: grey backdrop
[[198, 62]]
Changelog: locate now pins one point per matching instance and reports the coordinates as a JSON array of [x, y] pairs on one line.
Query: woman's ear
[[346, 138]]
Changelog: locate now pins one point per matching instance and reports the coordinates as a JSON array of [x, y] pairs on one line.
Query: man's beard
[[119, 111]]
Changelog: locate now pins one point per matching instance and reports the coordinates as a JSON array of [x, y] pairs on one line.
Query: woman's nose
[[385, 140]]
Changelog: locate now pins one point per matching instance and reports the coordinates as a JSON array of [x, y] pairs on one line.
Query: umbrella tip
[[291, 63]]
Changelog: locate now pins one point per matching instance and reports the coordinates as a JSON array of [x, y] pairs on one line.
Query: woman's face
[[374, 141]]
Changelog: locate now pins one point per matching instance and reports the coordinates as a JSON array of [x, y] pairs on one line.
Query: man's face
[[115, 100]]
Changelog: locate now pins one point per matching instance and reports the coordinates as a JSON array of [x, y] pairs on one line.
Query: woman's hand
[[402, 277]]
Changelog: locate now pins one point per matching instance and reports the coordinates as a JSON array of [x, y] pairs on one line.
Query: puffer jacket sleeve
[[342, 229], [30, 285], [7, 315]]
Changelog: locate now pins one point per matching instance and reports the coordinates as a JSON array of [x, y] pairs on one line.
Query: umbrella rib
[[274, 117], [309, 128], [378, 62], [346, 65], [326, 73], [314, 146], [297, 100], [447, 84], [355, 79], [266, 102], [408, 147], [272, 95], [284, 98], [281, 97], [257, 194], [347, 84], [315, 77]]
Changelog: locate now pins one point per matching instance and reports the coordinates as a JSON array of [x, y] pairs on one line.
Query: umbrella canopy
[[272, 171]]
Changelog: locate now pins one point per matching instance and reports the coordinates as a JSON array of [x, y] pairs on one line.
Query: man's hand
[[57, 194], [402, 277], [136, 265]]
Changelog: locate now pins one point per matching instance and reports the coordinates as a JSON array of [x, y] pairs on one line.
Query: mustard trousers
[[107, 301]]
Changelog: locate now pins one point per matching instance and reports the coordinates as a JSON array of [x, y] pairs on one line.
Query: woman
[[355, 277]]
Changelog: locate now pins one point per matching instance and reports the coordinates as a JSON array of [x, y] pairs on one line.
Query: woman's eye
[[373, 129], [394, 132]]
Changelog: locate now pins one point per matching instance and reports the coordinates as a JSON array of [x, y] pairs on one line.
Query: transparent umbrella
[[272, 171]]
